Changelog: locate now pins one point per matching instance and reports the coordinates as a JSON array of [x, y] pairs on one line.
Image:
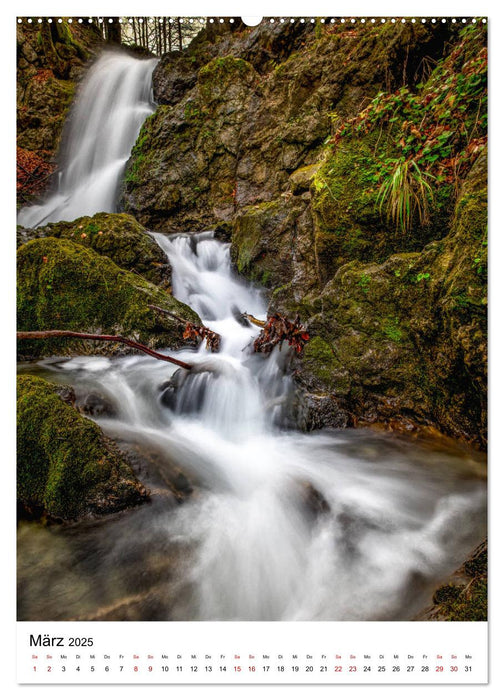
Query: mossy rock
[[66, 468], [182, 170], [408, 335], [272, 244], [348, 222], [65, 285], [215, 77], [250, 235], [319, 359], [464, 596], [301, 179], [46, 102], [118, 236]]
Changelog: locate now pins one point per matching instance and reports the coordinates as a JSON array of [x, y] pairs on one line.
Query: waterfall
[[112, 104], [278, 525], [342, 525]]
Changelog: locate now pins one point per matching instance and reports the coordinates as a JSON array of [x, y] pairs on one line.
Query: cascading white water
[[342, 525], [111, 106], [281, 525]]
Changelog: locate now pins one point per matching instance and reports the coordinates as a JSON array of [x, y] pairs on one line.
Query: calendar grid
[[259, 652]]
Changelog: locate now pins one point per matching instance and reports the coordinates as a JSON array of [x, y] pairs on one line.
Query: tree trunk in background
[[159, 45], [112, 30], [179, 32]]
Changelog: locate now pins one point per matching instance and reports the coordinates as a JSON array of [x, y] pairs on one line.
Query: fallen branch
[[255, 321], [40, 335], [194, 332]]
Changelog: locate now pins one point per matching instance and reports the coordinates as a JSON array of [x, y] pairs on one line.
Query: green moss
[[248, 233], [266, 277], [215, 76], [118, 236], [463, 603], [143, 157], [64, 285], [347, 223], [64, 464], [471, 213], [363, 282], [135, 167], [392, 330], [192, 111], [302, 178], [224, 66], [319, 359]]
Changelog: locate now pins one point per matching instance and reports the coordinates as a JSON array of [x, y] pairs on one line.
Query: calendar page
[[251, 349]]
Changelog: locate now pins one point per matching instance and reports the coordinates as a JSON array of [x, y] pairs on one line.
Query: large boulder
[[66, 467], [403, 342], [65, 285], [182, 171], [118, 236]]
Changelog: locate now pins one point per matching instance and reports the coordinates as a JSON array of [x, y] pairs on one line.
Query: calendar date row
[[126, 668]]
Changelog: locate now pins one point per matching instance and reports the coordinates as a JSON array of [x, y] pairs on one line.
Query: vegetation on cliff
[[50, 60]]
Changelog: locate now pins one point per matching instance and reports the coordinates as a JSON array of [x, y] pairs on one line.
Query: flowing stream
[[249, 519], [280, 525], [113, 102]]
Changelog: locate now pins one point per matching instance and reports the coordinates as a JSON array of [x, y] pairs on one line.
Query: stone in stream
[[94, 404], [184, 392]]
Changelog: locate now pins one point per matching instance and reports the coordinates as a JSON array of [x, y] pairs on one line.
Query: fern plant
[[406, 194]]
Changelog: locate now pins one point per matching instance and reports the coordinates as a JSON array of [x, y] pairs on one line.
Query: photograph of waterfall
[[251, 319]]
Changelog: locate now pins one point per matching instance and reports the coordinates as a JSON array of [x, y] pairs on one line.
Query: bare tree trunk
[[169, 37], [113, 30], [179, 31]]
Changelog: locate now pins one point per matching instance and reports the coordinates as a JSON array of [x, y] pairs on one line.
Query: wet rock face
[[182, 173], [173, 77], [240, 112], [272, 244], [67, 468], [94, 405]]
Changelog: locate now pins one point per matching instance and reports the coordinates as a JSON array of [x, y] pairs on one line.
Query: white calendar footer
[[252, 652]]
